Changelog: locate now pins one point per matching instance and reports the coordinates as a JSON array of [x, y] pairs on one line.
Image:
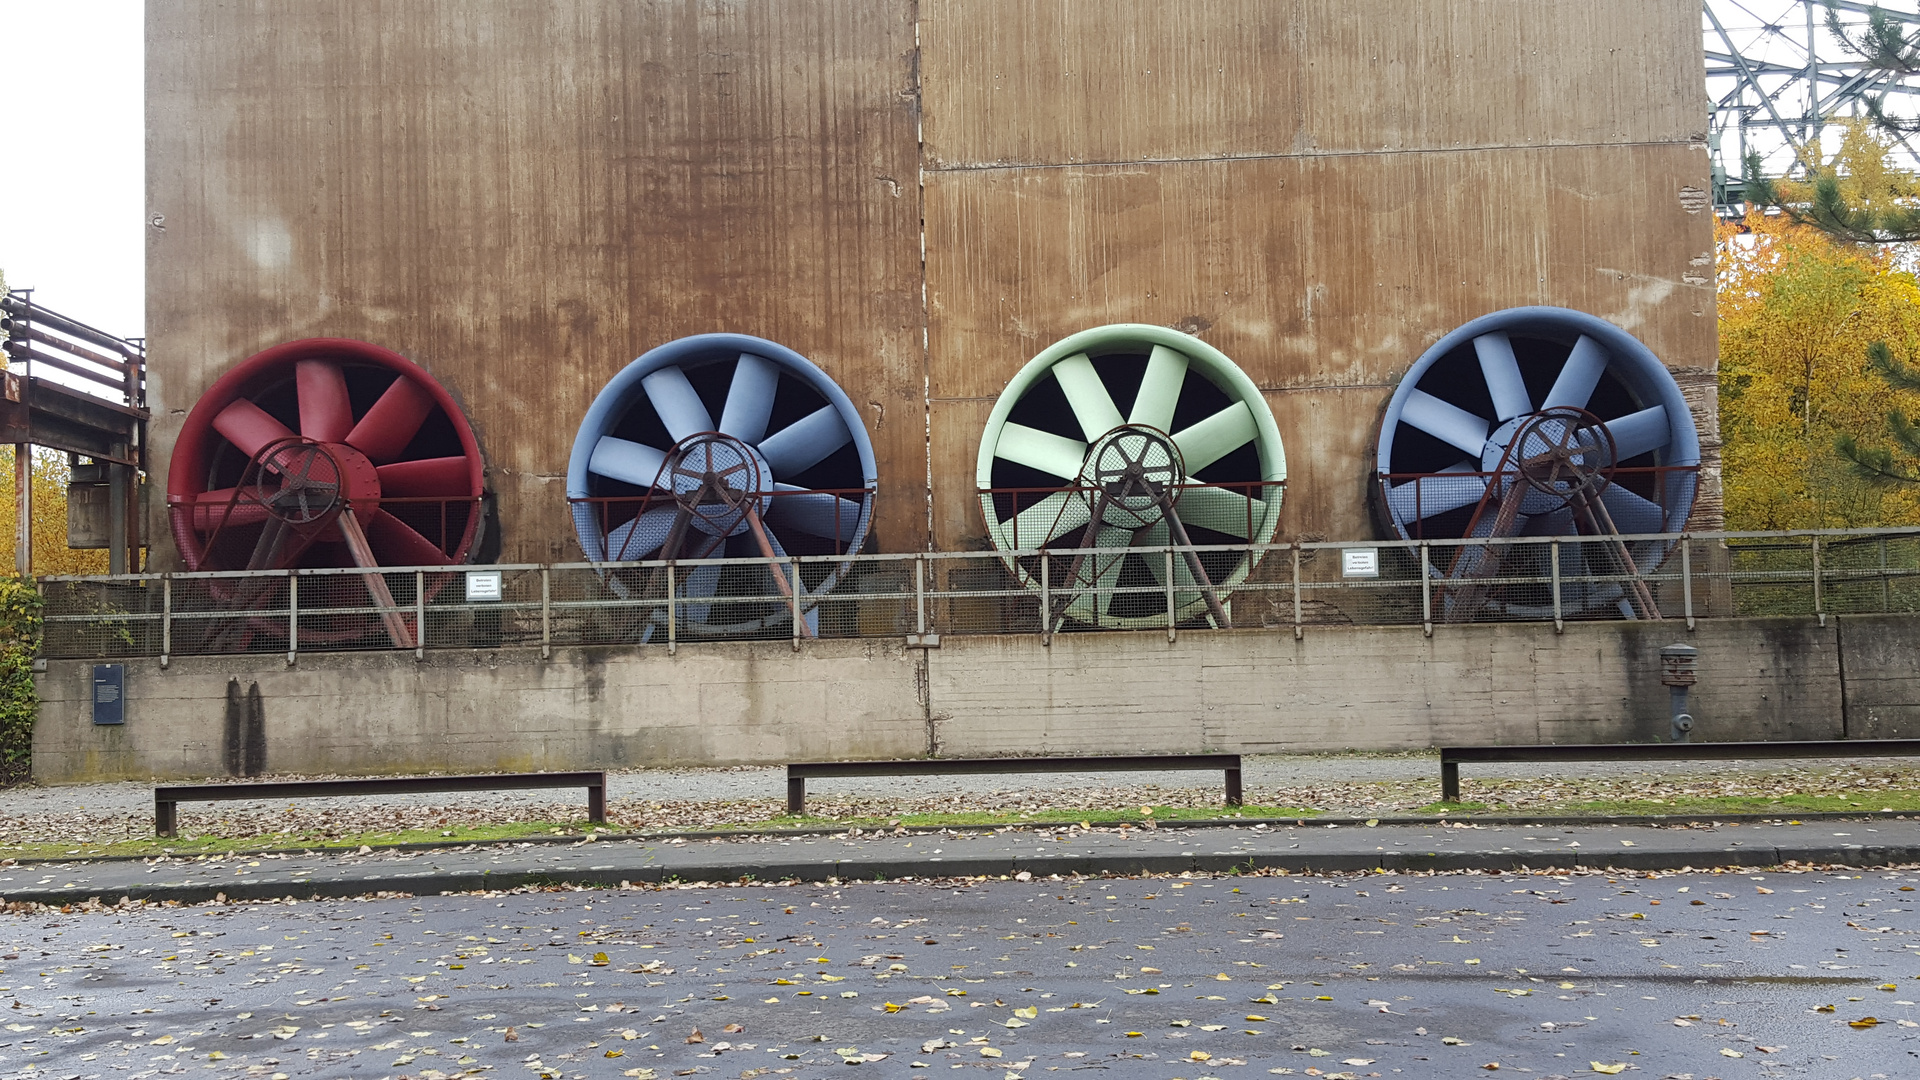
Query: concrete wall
[[920, 195], [721, 704]]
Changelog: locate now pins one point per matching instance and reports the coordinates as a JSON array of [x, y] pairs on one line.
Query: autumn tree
[[1799, 311]]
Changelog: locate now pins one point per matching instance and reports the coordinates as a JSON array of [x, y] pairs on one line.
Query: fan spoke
[[1446, 422], [1222, 510], [220, 510], [1159, 389], [384, 432], [703, 582], [1045, 521], [1639, 433], [816, 513], [1574, 386], [641, 537], [1041, 450], [806, 442], [750, 399], [1502, 372], [248, 427], [1426, 496], [1217, 436], [629, 462], [445, 477], [326, 413], [1087, 396], [1632, 513], [680, 408], [397, 543]]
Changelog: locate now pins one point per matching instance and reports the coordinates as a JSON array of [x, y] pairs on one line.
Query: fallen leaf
[[1609, 1070], [1179, 1023], [990, 1052], [599, 959], [1728, 1052], [1030, 1012], [696, 1037], [1199, 1055], [1763, 889], [1864, 1022], [1491, 1066], [615, 1053], [1823, 1008], [1356, 1061], [1450, 1040], [1261, 1020]]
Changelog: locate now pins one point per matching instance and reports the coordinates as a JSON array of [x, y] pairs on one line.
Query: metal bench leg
[[1449, 780], [163, 817], [597, 802], [1233, 787], [796, 795]]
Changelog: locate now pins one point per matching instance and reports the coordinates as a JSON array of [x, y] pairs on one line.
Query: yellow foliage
[[1798, 310], [50, 552]]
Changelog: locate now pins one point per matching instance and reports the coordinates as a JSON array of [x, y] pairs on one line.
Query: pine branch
[[1872, 464], [1898, 375], [1904, 432]]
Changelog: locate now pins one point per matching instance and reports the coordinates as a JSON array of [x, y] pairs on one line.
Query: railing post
[[1886, 593], [1046, 599], [419, 614], [1553, 559], [1819, 595], [1171, 614], [166, 619], [293, 615], [1426, 589], [920, 595], [1298, 630], [673, 611], [546, 612], [794, 565], [1686, 576]]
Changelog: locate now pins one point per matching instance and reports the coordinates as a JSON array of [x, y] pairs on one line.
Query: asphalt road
[[1696, 975]]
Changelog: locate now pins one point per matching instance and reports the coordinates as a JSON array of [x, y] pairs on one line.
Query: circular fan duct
[[325, 452], [1130, 436], [1540, 421], [723, 446]]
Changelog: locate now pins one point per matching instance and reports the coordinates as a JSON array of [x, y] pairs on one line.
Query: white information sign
[[1359, 562], [483, 585]]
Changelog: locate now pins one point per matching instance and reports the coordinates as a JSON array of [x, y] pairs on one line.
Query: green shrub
[[20, 608]]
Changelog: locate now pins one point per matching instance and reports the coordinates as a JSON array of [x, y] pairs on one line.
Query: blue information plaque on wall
[[109, 698]]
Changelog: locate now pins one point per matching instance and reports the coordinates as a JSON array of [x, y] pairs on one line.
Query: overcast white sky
[[74, 181]]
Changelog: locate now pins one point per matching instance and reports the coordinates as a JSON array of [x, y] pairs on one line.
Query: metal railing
[[919, 596]]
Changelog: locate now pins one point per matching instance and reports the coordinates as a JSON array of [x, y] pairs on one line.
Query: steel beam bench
[[1452, 757], [799, 772], [165, 799]]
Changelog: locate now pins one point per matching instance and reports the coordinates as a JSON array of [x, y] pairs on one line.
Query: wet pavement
[[1741, 974]]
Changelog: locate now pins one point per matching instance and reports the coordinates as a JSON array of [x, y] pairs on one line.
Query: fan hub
[[1561, 453], [718, 480], [1130, 472]]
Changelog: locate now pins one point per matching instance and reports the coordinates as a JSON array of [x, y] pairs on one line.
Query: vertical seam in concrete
[[924, 673], [1840, 662]]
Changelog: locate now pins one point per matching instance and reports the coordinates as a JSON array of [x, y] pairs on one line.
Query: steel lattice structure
[[1777, 77]]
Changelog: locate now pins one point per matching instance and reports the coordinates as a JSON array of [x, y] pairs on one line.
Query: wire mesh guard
[[889, 596]]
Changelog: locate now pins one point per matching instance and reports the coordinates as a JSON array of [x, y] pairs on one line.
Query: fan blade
[[702, 581], [1639, 433], [326, 413], [1041, 450], [630, 462], [1221, 510], [679, 406], [1159, 535], [220, 510], [1425, 496], [1448, 423], [249, 428], [1087, 396], [384, 432], [806, 442], [640, 537], [815, 513], [399, 544], [1045, 521], [1502, 372], [1574, 387], [1104, 571], [1632, 513], [1215, 437], [750, 399], [1159, 389], [445, 477]]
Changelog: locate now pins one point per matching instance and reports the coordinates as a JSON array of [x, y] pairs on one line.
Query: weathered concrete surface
[[465, 712], [762, 703]]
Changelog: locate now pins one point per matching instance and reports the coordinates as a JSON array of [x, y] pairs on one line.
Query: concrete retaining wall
[[748, 703]]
